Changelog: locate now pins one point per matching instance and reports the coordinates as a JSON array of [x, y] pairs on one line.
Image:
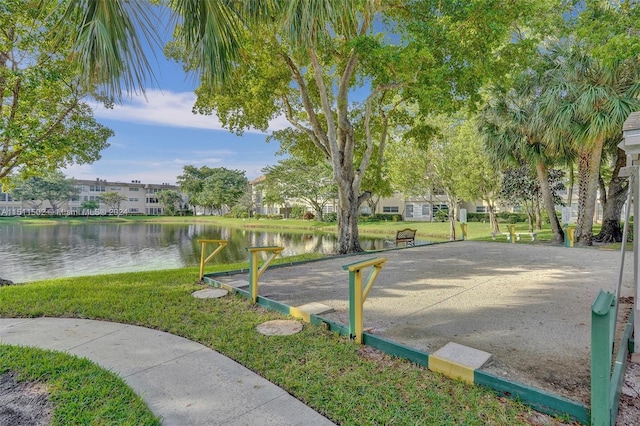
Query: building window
[[426, 210], [390, 209], [440, 207], [154, 210], [408, 210], [133, 210], [134, 200], [97, 188], [481, 209], [134, 189], [152, 200], [115, 188]]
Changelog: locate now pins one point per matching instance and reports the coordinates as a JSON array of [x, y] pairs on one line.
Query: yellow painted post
[[253, 279], [571, 231], [357, 295], [358, 326], [463, 227], [203, 248], [512, 233], [254, 272]]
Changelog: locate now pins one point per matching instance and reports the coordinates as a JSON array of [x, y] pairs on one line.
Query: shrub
[[381, 217], [330, 217], [297, 212], [441, 216], [478, 217], [308, 216]]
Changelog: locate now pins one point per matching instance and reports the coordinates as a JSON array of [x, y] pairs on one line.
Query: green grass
[[328, 372], [81, 392]]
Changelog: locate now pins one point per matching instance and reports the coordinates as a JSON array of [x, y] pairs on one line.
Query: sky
[[155, 138]]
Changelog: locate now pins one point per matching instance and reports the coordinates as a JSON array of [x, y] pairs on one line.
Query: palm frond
[[106, 38]]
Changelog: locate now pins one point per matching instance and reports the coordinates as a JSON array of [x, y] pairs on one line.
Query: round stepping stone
[[279, 327], [209, 293]]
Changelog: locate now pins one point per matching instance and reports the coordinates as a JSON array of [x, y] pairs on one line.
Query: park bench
[[406, 236]]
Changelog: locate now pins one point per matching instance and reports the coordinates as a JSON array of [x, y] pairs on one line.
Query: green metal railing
[[358, 294], [606, 380]]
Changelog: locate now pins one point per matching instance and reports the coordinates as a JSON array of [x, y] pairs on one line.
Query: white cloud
[[170, 109]]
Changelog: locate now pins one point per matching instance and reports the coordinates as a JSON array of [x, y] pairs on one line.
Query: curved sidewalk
[[183, 382]]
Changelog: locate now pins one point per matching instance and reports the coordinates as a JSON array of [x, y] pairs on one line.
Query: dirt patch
[[629, 411], [23, 403]]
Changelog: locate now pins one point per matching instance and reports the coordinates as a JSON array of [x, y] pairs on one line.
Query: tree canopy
[[296, 179], [52, 186], [215, 189], [45, 123]]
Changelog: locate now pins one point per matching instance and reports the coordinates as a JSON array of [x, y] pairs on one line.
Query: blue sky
[[155, 138]]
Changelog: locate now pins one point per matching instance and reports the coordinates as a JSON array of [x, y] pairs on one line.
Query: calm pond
[[29, 253]]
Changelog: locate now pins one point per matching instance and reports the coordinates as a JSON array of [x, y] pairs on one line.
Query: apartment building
[[139, 198], [422, 208]]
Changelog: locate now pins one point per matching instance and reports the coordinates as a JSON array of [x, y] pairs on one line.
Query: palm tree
[[509, 123], [209, 35], [586, 102], [110, 37]]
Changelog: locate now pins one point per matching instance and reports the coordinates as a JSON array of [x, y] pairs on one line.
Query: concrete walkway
[[183, 382]]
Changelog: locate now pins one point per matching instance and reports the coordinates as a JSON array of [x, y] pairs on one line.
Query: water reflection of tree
[[64, 249]]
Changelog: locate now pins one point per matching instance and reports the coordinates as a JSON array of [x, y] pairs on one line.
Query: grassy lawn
[[337, 377], [80, 391]]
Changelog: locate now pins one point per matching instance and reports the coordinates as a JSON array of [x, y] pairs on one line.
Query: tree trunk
[[348, 205], [611, 231], [543, 181], [538, 215], [452, 219], [492, 217], [588, 174], [572, 181]]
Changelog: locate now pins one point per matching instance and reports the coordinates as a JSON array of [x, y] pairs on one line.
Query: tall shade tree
[[45, 123], [212, 188], [480, 178], [296, 179], [305, 59], [171, 200], [586, 103], [53, 187], [114, 200], [440, 157]]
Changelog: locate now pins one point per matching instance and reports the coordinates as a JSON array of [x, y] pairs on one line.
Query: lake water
[[33, 252]]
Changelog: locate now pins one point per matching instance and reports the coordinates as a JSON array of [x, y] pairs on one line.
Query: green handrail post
[[203, 248], [602, 335], [256, 272], [357, 295]]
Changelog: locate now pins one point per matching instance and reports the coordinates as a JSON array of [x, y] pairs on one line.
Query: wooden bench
[[406, 236]]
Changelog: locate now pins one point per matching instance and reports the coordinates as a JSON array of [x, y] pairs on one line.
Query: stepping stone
[[458, 361], [239, 284], [279, 328], [304, 312], [210, 293], [315, 308]]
